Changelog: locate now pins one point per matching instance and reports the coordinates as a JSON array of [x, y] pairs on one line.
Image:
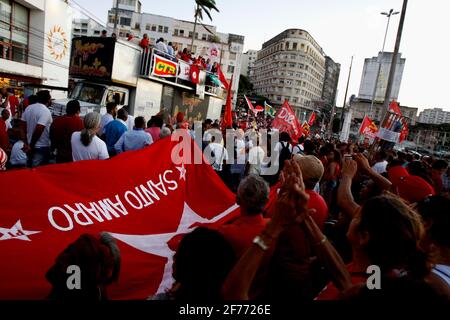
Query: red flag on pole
[[250, 106], [146, 206], [312, 119], [222, 78], [395, 108], [285, 120], [368, 128], [227, 117]]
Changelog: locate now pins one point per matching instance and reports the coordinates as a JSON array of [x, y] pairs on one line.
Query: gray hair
[[165, 132], [91, 125], [253, 194]]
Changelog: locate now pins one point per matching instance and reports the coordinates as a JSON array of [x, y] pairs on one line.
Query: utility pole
[[345, 96], [387, 97], [388, 15], [116, 17]]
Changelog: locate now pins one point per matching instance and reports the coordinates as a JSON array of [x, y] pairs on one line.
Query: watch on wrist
[[260, 243]]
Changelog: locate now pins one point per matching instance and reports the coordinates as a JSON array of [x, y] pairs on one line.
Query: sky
[[343, 28]]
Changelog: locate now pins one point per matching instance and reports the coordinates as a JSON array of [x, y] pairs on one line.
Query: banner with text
[[142, 198]]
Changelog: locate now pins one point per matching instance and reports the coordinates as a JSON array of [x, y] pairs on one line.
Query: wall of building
[[369, 75], [434, 116], [49, 35], [86, 27], [361, 108]]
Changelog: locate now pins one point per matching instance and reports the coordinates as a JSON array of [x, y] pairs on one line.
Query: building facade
[[86, 27], [369, 76], [330, 83], [434, 116], [248, 62], [35, 38], [291, 66], [226, 49]]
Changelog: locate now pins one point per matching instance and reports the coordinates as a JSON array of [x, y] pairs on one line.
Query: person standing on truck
[[145, 43], [161, 46], [111, 113], [115, 129]]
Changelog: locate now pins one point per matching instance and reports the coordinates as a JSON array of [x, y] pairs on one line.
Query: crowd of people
[[308, 231]]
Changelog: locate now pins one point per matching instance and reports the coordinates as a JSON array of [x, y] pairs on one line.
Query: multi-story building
[[330, 83], [434, 116], [35, 38], [224, 48], [248, 62], [86, 27], [291, 66], [383, 63]]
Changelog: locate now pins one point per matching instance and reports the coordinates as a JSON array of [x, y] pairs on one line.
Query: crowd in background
[[308, 231]]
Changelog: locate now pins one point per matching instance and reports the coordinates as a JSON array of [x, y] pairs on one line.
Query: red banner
[[285, 120], [142, 198], [312, 119]]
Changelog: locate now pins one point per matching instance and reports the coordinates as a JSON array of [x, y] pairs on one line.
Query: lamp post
[[388, 15]]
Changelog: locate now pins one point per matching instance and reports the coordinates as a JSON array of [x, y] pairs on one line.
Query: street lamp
[[388, 15]]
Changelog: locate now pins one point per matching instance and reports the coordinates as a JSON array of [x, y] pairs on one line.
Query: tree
[[201, 7], [245, 87]]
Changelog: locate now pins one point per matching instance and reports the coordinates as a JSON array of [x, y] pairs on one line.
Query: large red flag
[[285, 120], [142, 198], [222, 78], [395, 108], [227, 117]]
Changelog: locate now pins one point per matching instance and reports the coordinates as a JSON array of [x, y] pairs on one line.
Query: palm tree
[[201, 7]]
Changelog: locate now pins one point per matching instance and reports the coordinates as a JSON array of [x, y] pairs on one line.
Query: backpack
[[285, 154]]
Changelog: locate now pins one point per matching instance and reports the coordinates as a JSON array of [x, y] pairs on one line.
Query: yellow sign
[[57, 42]]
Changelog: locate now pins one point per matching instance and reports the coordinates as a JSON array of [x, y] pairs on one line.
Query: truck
[[104, 70]]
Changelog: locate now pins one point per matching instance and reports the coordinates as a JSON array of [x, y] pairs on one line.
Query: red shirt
[[4, 140], [241, 232], [154, 132], [61, 134], [13, 103]]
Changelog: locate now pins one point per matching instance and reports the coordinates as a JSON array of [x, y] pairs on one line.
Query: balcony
[[178, 72]]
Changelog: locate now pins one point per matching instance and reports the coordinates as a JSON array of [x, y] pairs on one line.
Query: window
[[154, 28], [124, 21], [111, 19], [204, 37], [148, 27], [166, 29], [294, 46], [137, 26], [191, 34], [181, 33], [175, 32], [230, 69], [13, 42], [160, 29], [96, 32]]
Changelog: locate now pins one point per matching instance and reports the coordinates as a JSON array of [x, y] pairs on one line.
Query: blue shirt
[[113, 131], [133, 140]]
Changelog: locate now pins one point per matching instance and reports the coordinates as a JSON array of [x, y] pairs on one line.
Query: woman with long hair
[[85, 143]]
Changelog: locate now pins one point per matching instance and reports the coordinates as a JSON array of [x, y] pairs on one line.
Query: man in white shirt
[[37, 120], [380, 166], [219, 154], [161, 46], [110, 115]]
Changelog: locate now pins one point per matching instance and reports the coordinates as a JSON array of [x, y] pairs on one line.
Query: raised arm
[[364, 166], [345, 199]]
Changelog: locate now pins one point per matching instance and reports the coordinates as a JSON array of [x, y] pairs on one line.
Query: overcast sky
[[342, 28]]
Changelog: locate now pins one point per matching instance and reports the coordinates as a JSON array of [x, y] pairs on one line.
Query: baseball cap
[[312, 168]]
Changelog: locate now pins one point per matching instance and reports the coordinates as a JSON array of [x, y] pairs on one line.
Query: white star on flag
[[183, 171], [157, 244], [16, 232]]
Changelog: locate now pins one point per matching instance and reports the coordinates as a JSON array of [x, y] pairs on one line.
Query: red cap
[[180, 117], [409, 187]]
